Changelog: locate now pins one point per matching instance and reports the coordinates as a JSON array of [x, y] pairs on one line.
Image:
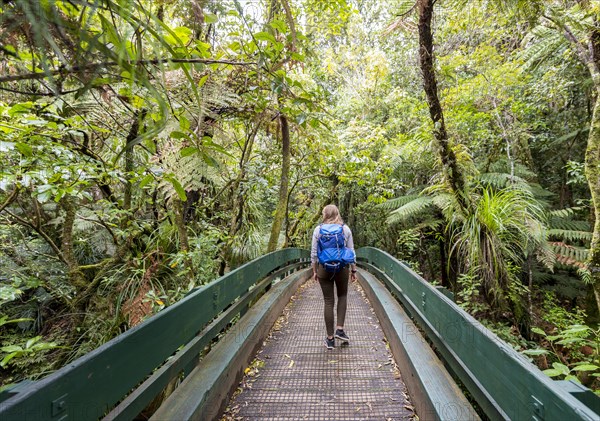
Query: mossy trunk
[[592, 173], [129, 164], [76, 276], [283, 185], [450, 167]]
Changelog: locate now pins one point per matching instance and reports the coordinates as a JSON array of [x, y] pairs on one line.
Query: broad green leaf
[[184, 34], [576, 329], [297, 56], [561, 367], [569, 341], [11, 348], [265, 36], [551, 372], [586, 367], [279, 25], [10, 48], [188, 151], [301, 118], [210, 18], [42, 346], [25, 149], [178, 187], [202, 81], [180, 36], [32, 341], [179, 135], [6, 359], [21, 108], [147, 179], [209, 159], [535, 352], [184, 123], [538, 331], [110, 33]]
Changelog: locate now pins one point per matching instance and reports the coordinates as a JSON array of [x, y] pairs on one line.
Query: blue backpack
[[331, 249]]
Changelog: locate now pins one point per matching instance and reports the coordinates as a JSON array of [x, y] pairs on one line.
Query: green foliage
[[31, 346], [469, 297], [149, 137], [583, 345]]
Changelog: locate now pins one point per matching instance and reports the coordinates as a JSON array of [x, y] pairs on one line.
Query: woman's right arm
[[313, 252]]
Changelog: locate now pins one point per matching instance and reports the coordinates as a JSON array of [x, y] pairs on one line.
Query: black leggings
[[327, 280]]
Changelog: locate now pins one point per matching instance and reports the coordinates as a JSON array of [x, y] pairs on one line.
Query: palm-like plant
[[504, 229]]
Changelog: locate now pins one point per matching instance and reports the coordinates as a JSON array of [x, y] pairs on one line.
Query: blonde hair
[[331, 215]]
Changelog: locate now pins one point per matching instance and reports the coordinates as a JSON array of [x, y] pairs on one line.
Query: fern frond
[[565, 213], [430, 224], [567, 224], [192, 172], [247, 246], [410, 209], [501, 180], [570, 235], [84, 225], [397, 202], [569, 255], [545, 255], [542, 43], [539, 192], [504, 166]]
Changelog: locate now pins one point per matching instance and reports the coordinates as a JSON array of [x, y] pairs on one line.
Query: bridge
[[249, 346]]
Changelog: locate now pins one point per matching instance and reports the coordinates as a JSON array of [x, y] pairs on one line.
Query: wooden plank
[[504, 382], [433, 392], [89, 387], [205, 392]]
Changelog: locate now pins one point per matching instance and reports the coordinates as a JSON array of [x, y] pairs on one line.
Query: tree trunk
[[183, 234], [449, 163], [75, 275], [592, 173], [283, 186], [131, 136]]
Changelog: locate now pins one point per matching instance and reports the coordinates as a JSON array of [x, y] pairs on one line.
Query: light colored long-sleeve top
[[349, 242]]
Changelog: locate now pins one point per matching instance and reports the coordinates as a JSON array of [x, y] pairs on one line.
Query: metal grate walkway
[[295, 377]]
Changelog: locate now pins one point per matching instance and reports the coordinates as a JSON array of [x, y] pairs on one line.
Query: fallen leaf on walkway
[[291, 364]]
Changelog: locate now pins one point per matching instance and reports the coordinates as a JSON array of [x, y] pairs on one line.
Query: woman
[[331, 215]]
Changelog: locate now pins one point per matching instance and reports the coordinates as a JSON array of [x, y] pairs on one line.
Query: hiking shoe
[[340, 334], [329, 343]]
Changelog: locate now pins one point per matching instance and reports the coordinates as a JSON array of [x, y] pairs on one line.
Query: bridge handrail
[[94, 383], [504, 383]]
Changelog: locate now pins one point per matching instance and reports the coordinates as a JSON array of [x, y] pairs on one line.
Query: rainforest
[[147, 147]]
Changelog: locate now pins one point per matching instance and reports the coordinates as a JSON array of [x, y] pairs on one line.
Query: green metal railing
[[503, 382], [92, 385]]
